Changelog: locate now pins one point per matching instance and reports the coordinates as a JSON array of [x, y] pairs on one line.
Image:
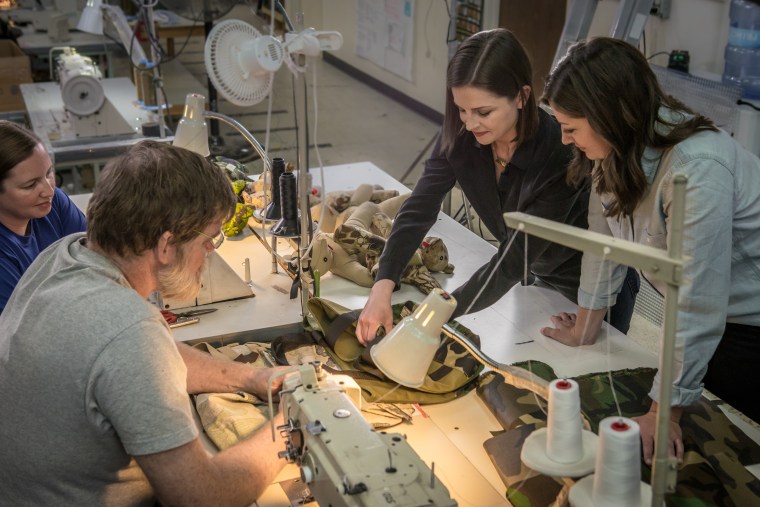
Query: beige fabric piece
[[229, 418]]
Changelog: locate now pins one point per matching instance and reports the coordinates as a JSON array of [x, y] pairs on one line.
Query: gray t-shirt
[[89, 377]]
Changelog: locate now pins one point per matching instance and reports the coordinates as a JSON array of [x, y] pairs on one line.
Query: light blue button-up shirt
[[721, 246]]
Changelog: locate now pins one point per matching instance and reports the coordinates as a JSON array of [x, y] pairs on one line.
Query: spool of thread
[[617, 479], [564, 442], [288, 226], [274, 209]]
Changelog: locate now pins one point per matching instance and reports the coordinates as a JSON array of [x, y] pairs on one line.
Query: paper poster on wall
[[385, 34]]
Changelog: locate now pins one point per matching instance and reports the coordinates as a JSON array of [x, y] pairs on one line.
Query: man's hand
[[207, 374], [574, 330], [648, 427], [377, 312], [258, 381]]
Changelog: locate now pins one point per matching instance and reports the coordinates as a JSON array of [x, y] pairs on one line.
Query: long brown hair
[[609, 82], [153, 188], [494, 61], [18, 144]]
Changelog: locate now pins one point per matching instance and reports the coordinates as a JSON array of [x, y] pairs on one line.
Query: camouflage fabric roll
[[716, 452]]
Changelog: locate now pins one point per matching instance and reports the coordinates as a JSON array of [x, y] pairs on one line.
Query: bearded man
[[94, 390]]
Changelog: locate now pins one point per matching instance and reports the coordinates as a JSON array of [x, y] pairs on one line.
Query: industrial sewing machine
[[89, 109], [343, 460]]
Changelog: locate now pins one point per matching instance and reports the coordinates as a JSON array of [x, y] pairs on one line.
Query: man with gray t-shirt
[[94, 388]]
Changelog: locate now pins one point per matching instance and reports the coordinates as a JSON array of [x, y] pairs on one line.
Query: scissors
[[184, 318]]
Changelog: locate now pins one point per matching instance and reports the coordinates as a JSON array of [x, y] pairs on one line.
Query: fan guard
[[241, 62]]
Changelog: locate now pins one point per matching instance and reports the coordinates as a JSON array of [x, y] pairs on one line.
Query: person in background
[[33, 212], [94, 387], [632, 139], [507, 155]]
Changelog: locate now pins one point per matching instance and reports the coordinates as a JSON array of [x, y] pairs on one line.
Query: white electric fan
[[241, 62]]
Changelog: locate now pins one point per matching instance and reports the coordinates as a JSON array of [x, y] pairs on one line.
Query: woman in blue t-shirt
[[33, 212]]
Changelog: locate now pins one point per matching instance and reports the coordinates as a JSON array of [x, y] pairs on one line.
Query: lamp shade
[[405, 354], [91, 20], [192, 132]]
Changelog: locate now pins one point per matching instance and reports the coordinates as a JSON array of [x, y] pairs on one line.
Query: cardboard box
[[15, 68]]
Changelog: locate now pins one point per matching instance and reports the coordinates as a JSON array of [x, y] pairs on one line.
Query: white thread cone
[[563, 448], [563, 441], [617, 479], [618, 463]]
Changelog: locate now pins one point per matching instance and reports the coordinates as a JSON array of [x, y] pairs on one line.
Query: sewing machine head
[[343, 460]]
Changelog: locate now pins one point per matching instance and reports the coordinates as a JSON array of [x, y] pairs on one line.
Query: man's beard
[[177, 281]]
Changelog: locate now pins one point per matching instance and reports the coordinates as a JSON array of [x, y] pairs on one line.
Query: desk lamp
[[406, 353], [91, 20], [192, 132]]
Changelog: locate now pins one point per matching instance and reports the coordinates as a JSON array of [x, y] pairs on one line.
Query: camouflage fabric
[[435, 255], [239, 220], [360, 235], [716, 451], [233, 169], [452, 373], [358, 240]]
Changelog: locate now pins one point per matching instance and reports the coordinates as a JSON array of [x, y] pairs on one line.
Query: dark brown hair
[[153, 188], [17, 144], [494, 61], [609, 82]]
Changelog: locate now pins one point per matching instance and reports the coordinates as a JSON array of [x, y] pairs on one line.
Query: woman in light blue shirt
[[631, 139]]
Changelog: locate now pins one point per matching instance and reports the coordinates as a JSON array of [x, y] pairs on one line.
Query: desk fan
[[241, 62]]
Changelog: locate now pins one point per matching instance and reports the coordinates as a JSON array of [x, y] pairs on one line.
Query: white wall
[[430, 53], [699, 26]]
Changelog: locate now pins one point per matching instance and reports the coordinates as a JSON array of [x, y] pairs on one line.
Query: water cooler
[[742, 67], [742, 55]]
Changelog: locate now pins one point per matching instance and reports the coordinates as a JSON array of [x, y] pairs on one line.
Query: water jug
[[742, 55]]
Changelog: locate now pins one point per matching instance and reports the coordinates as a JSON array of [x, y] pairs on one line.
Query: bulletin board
[[385, 34]]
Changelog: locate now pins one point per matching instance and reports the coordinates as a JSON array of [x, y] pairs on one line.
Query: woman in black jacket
[[507, 155]]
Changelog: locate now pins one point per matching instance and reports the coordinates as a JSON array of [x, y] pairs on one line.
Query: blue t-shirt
[[18, 252]]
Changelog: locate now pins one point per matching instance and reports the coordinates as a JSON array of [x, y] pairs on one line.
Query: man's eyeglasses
[[216, 241]]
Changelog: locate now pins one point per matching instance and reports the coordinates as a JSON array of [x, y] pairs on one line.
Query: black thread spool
[[273, 210], [288, 226]]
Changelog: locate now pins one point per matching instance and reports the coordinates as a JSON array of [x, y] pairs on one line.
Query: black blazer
[[533, 182]]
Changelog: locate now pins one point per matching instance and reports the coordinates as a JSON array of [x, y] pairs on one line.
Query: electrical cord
[[658, 54], [741, 102]]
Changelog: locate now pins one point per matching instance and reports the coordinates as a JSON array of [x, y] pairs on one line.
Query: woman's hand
[[648, 427], [574, 330], [377, 312]]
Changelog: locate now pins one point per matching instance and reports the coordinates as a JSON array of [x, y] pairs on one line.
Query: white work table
[[451, 434]]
